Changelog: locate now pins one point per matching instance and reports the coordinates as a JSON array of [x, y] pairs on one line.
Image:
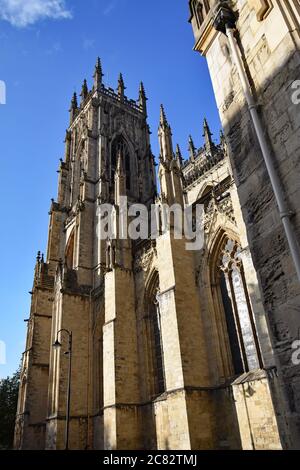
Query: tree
[[9, 389]]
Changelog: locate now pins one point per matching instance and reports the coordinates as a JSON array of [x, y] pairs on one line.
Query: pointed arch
[[70, 250], [205, 193], [152, 284], [154, 335], [206, 5], [231, 302], [196, 8], [120, 142]]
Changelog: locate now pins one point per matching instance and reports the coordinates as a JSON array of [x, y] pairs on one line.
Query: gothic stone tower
[[267, 34], [170, 346], [68, 289]]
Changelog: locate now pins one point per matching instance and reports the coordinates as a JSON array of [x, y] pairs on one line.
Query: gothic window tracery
[[23, 393], [197, 11], [119, 147], [155, 338], [238, 312], [69, 254], [236, 333], [206, 5], [158, 350]]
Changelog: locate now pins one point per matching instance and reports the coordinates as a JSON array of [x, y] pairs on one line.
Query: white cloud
[[22, 13], [88, 43], [109, 8]]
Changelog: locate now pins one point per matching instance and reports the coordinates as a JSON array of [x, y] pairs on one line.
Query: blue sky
[[47, 48]]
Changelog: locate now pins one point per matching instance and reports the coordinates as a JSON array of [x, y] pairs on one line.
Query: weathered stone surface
[[160, 334], [269, 39]]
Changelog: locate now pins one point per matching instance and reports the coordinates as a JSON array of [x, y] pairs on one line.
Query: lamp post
[[58, 345]]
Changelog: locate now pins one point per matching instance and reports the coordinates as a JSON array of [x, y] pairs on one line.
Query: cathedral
[[141, 343]]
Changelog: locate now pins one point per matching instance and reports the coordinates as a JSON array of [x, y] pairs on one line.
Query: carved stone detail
[[262, 8]]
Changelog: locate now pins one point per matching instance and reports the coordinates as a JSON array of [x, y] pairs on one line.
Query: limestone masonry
[[174, 349]]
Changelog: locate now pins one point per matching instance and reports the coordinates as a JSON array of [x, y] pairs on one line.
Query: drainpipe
[[225, 22]]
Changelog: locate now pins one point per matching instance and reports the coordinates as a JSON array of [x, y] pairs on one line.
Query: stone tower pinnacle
[[209, 145], [98, 75], [192, 148], [143, 99], [121, 87], [84, 91], [178, 155], [74, 107], [170, 167], [165, 137]]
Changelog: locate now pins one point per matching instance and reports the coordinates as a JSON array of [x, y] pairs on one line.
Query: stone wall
[[269, 45]]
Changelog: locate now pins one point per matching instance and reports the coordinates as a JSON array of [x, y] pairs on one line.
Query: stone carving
[[262, 8]]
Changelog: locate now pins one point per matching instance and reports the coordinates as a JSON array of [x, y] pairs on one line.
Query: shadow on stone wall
[[267, 241]]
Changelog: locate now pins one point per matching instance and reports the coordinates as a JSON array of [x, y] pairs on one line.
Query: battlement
[[111, 93], [99, 89], [202, 164]]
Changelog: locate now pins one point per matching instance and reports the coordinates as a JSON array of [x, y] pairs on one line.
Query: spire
[[73, 108], [98, 74], [84, 91], [74, 104], [163, 120], [178, 155], [209, 145], [121, 87], [165, 136], [192, 149], [170, 174], [120, 178], [143, 99]]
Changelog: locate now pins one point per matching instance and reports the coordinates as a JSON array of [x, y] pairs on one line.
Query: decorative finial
[[142, 98], [178, 154], [73, 108], [142, 90], [38, 258], [192, 148], [163, 118], [98, 74], [205, 124], [74, 103], [84, 91], [121, 87], [209, 145]]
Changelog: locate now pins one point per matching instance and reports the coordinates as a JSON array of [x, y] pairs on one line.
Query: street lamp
[[58, 345]]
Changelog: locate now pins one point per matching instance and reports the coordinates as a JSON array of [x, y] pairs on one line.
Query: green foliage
[[9, 389]]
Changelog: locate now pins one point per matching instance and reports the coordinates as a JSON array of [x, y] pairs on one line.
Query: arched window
[[155, 337], [206, 6], [69, 253], [233, 292], [119, 146], [197, 11], [22, 392]]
